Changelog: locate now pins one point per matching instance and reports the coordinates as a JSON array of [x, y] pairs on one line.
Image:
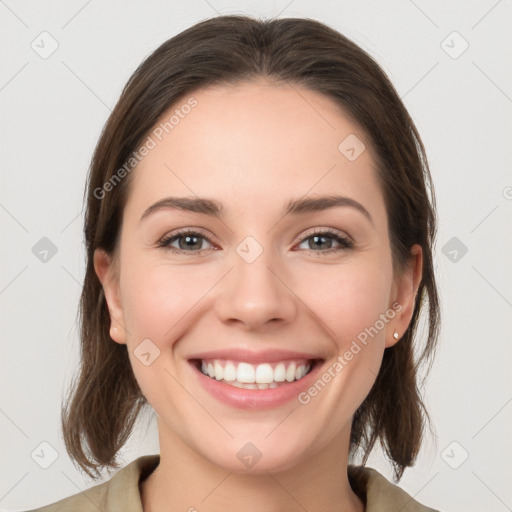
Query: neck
[[184, 480]]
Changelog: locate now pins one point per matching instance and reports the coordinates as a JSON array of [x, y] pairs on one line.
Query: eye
[[321, 241], [326, 241], [187, 241]]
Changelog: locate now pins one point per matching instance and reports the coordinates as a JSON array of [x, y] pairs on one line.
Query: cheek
[[351, 299], [159, 299], [160, 303], [348, 300]]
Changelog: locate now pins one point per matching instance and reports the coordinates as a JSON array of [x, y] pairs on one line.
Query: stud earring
[[395, 335]]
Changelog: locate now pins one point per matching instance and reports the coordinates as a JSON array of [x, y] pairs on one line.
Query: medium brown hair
[[105, 400]]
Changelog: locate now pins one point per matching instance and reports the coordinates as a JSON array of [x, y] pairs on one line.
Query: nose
[[256, 296]]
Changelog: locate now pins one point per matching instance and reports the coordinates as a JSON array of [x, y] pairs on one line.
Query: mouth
[[265, 375]]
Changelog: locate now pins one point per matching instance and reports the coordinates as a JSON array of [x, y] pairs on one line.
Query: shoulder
[[120, 492], [87, 501], [380, 494]]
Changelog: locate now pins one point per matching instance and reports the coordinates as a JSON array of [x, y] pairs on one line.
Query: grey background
[[53, 110]]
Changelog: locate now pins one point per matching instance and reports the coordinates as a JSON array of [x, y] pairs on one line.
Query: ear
[[105, 269], [403, 295]]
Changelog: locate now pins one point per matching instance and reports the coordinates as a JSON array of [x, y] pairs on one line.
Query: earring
[[395, 335]]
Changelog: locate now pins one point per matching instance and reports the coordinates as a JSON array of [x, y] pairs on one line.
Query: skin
[[253, 147]]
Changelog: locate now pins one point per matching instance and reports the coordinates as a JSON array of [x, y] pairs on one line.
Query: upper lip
[[253, 356]]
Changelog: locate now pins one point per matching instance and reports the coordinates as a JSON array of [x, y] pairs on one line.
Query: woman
[[259, 230]]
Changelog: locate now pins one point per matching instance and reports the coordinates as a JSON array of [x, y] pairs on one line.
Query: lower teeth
[[252, 385], [244, 385]]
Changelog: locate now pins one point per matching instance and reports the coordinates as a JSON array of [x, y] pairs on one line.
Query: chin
[[258, 457]]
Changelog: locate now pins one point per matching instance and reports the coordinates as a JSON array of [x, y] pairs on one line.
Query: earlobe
[[406, 288], [392, 340], [104, 267]]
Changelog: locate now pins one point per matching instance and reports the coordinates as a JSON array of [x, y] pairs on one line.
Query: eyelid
[[344, 241], [185, 231], [325, 231], [202, 232]]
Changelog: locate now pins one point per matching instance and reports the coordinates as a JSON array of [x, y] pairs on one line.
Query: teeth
[[280, 373], [219, 371], [230, 372], [290, 373], [264, 374], [245, 373], [244, 385], [248, 376]]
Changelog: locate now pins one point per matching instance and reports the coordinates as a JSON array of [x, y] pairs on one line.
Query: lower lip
[[256, 398]]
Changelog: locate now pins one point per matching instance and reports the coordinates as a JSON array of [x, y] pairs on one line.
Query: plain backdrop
[[450, 63]]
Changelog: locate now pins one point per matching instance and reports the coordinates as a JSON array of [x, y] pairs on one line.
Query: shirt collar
[[376, 492]]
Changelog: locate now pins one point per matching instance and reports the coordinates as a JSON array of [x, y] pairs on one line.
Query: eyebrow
[[213, 208]]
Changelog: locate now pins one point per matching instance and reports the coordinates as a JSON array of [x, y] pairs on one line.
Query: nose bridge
[[254, 292]]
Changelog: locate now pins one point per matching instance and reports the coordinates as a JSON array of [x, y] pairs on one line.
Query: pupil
[[189, 245], [317, 238]]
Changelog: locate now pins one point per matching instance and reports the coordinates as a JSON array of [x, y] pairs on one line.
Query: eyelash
[[344, 243]]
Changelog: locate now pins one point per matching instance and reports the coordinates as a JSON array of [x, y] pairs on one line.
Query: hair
[[104, 400]]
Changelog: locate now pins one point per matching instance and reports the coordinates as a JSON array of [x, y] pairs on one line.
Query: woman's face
[[253, 292]]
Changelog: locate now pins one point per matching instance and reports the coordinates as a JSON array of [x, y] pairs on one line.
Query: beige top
[[122, 492]]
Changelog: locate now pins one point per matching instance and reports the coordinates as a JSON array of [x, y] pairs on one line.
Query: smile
[[255, 380], [255, 376]]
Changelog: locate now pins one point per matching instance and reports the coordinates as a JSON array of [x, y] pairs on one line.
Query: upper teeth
[[265, 373]]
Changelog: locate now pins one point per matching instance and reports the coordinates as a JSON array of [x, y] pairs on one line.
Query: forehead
[[254, 140]]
